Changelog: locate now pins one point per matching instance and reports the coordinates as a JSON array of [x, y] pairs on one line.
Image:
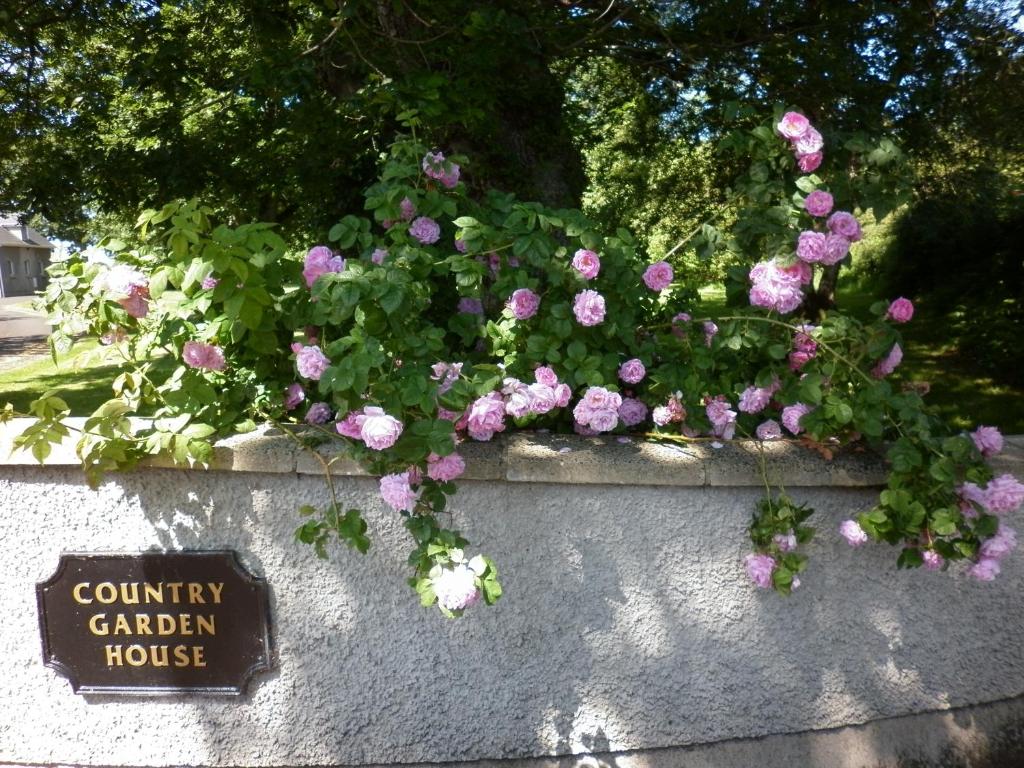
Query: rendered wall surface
[[627, 621]]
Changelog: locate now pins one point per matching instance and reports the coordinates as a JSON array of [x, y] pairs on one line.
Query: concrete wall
[[627, 621]]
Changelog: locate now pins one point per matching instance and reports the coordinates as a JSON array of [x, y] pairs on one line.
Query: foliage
[[432, 329], [276, 110]]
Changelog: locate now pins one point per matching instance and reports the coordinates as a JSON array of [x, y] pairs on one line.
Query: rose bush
[[437, 318]]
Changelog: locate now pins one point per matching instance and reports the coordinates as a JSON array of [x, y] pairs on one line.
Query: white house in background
[[24, 256]]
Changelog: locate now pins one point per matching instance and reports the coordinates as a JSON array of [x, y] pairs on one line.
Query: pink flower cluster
[[407, 209], [672, 412], [658, 276], [588, 307], [722, 418], [587, 263], [320, 260], [439, 169], [199, 355], [805, 348], [524, 303], [817, 247], [776, 287], [992, 551], [373, 426], [447, 374], [805, 140], [310, 361], [128, 287], [598, 409]]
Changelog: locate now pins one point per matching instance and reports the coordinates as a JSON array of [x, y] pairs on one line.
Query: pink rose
[[658, 276], [320, 260], [456, 588], [791, 416], [563, 394], [775, 288], [722, 418], [586, 263], [808, 163], [351, 425], [900, 311], [318, 413], [755, 399], [988, 440], [760, 569], [769, 430], [836, 248], [809, 143], [446, 468], [379, 430], [524, 303], [632, 411], [398, 493], [845, 224], [818, 203], [933, 561], [632, 371], [853, 533], [426, 230], [598, 409], [199, 355], [810, 246], [985, 569], [1003, 495], [546, 375], [542, 398], [889, 363], [378, 255], [588, 307], [408, 209], [293, 395], [486, 416], [792, 126], [1000, 545], [310, 361], [786, 542]]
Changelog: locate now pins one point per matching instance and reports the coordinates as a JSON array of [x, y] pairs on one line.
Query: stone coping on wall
[[535, 457]]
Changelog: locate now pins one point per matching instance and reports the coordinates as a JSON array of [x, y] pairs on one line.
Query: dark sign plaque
[[155, 623]]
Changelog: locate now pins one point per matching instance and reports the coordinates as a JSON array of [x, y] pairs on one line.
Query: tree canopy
[[278, 110]]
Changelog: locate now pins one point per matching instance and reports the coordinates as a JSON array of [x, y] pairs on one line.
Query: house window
[[27, 270], [10, 267]]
